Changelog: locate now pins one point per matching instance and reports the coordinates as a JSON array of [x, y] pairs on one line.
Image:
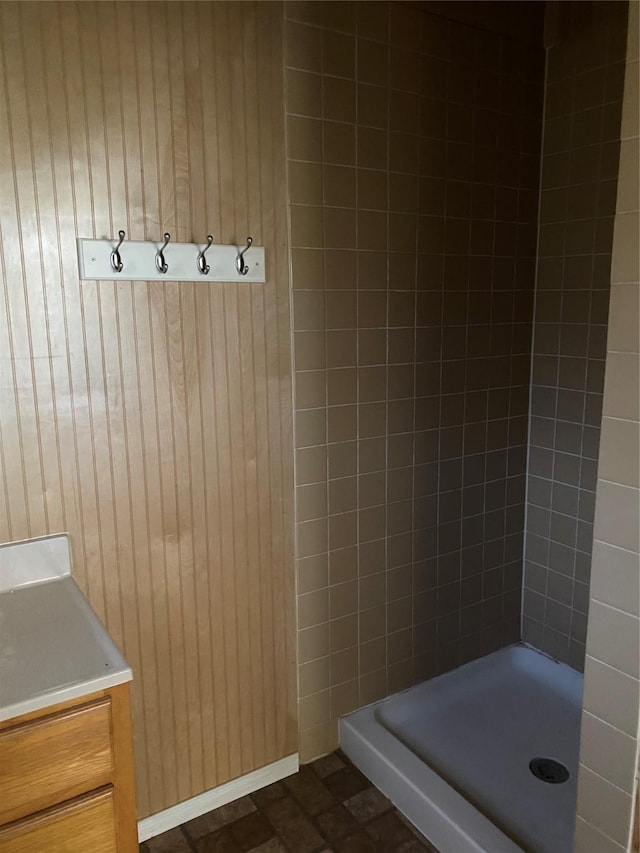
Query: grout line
[[533, 337]]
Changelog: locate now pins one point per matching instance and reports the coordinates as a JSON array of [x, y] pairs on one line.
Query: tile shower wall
[[579, 178], [413, 154], [607, 780]]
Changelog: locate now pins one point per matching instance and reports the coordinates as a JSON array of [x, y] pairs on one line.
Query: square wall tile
[[310, 425], [615, 577], [613, 637], [311, 501], [338, 99], [608, 752], [305, 182], [310, 390], [628, 198], [311, 537], [317, 741], [607, 806], [587, 839], [313, 608], [304, 139], [617, 513], [619, 460], [306, 227], [311, 465], [344, 666], [314, 676], [338, 54], [630, 105], [314, 642], [303, 46], [310, 350], [633, 39], [624, 318], [312, 573], [622, 388], [307, 269], [625, 263], [304, 93]]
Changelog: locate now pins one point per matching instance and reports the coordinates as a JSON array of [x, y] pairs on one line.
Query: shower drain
[[549, 770]]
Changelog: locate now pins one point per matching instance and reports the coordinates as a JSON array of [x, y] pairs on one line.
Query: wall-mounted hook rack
[[161, 265], [241, 265], [142, 261], [116, 263], [203, 266]]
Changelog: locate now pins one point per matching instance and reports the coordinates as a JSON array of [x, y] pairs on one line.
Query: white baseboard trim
[[216, 797]]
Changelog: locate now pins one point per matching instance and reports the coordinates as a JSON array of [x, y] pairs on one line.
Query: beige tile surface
[[305, 183], [311, 537], [617, 513], [625, 265], [313, 608], [344, 665], [312, 573], [308, 269], [307, 228], [304, 93], [310, 390], [319, 740], [359, 133], [303, 46], [608, 752], [615, 577], [608, 807], [624, 318], [315, 709], [629, 190], [310, 350], [311, 424], [304, 139], [613, 637], [314, 642], [619, 459], [621, 378], [344, 698], [632, 95], [587, 839], [311, 501], [611, 695], [311, 465], [314, 676]]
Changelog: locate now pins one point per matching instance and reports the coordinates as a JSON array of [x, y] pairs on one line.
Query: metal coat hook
[[242, 268], [161, 265], [116, 260], [203, 266]]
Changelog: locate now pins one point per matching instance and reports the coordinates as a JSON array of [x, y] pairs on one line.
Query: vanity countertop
[[53, 647]]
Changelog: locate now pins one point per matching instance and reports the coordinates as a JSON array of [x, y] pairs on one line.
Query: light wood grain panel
[[52, 759], [89, 821], [152, 421]]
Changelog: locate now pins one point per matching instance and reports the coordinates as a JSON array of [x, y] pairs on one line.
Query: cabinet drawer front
[[54, 758], [82, 825]]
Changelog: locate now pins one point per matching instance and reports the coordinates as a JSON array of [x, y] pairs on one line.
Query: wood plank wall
[[153, 421]]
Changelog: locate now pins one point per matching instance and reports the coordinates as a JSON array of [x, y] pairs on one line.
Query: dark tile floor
[[327, 807]]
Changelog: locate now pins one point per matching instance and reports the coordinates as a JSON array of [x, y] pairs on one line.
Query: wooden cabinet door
[[83, 825], [54, 758]]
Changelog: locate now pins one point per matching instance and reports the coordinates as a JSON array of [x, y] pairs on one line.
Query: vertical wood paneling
[[152, 421]]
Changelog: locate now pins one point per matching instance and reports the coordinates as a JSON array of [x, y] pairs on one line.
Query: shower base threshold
[[453, 753]]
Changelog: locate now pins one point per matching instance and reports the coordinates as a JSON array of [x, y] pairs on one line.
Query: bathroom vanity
[[66, 761]]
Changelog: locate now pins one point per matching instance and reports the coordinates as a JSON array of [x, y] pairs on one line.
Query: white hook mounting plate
[[139, 261]]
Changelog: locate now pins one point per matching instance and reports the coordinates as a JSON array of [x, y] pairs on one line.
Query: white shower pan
[[453, 753]]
